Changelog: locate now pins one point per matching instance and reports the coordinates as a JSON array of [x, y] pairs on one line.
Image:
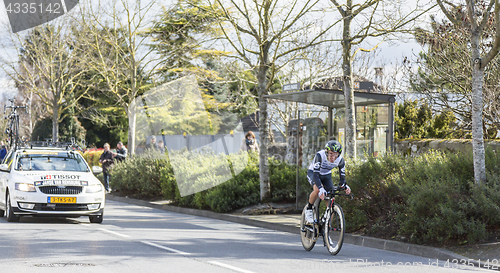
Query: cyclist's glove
[[346, 188], [322, 193]]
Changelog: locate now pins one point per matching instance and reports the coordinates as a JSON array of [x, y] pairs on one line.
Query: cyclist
[[319, 174]]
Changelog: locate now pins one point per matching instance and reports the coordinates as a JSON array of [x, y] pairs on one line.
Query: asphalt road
[[142, 239]]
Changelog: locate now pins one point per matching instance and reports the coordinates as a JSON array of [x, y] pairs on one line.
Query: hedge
[[428, 199]]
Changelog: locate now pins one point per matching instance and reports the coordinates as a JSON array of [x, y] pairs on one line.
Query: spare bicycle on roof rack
[[16, 142], [13, 123]]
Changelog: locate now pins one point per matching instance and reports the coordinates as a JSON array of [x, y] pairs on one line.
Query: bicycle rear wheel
[[306, 232], [334, 230]]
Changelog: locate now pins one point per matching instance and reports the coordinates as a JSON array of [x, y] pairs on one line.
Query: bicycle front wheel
[[307, 235], [334, 230]]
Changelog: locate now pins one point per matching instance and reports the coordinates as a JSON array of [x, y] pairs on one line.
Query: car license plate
[[61, 200]]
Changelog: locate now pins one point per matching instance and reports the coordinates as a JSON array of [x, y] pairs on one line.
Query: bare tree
[[121, 54], [373, 18], [265, 36], [35, 109], [444, 75], [49, 65], [317, 63], [483, 49]]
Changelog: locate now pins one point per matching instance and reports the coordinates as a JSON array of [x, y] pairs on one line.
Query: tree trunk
[[132, 119], [265, 185], [350, 118], [55, 121], [477, 111]]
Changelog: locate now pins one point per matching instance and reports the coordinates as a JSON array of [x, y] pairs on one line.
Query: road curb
[[395, 246]]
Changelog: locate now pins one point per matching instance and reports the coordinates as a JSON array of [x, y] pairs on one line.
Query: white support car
[[43, 181]]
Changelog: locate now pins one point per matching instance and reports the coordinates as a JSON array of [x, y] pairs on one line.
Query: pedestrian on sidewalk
[[107, 161], [121, 152], [249, 143], [152, 144], [161, 146]]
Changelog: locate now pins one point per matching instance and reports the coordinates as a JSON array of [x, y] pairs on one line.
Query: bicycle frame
[[330, 225], [319, 223], [330, 198], [13, 125]]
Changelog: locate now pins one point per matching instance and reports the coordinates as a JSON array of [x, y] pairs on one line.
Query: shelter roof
[[333, 98]]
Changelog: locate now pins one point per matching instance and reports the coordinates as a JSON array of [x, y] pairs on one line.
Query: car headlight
[[94, 188], [25, 187]]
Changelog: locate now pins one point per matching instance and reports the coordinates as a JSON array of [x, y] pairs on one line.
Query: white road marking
[[230, 267], [115, 233], [166, 248]]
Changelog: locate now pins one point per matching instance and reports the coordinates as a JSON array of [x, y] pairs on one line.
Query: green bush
[[377, 198], [155, 176], [92, 157], [241, 190], [244, 189], [428, 199], [448, 205], [188, 186], [221, 196], [283, 177], [139, 176]]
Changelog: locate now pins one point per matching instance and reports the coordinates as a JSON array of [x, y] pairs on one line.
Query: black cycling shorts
[[325, 180]]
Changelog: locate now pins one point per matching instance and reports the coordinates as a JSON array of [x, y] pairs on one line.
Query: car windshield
[[51, 161]]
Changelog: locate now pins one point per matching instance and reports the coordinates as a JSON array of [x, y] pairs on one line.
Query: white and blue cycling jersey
[[320, 166]]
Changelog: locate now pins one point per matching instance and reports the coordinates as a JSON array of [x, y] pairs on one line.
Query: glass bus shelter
[[374, 116]]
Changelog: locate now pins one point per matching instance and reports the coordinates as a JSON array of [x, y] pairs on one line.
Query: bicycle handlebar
[[335, 191]]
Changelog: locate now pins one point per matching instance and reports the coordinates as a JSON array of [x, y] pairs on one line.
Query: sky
[[5, 83], [7, 89], [389, 54]]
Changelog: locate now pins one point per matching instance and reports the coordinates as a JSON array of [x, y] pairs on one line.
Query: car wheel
[[11, 217], [96, 219]]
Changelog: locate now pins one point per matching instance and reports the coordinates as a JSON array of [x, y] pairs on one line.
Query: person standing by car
[[3, 151], [121, 152], [107, 161]]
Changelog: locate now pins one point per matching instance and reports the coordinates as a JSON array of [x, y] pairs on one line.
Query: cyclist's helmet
[[333, 146]]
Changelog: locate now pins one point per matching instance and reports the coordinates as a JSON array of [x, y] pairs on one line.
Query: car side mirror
[[4, 167], [95, 169]]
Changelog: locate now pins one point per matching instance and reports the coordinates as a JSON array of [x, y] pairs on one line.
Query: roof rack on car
[[70, 146]]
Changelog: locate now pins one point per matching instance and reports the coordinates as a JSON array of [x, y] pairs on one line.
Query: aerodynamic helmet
[[333, 146]]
